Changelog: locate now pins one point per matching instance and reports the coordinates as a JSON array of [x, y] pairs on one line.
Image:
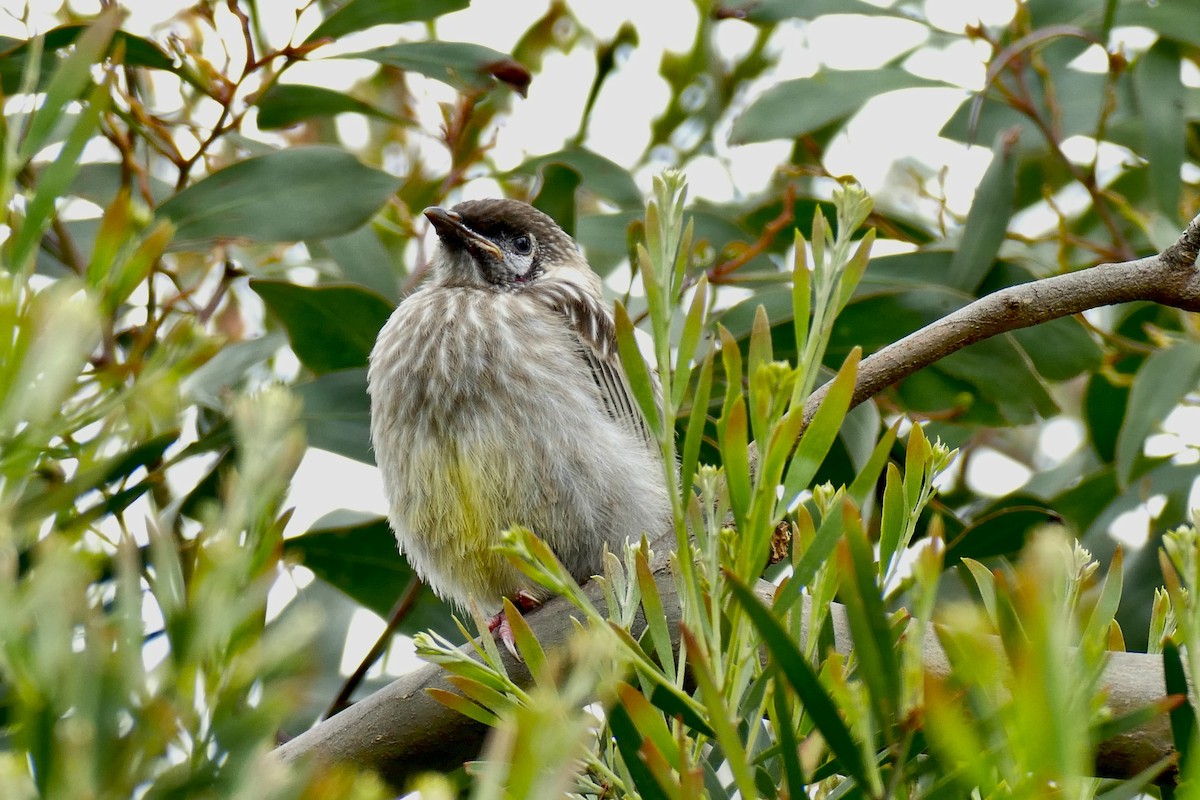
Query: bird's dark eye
[[523, 245]]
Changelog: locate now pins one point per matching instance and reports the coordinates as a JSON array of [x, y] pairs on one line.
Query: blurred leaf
[[465, 66], [792, 665], [556, 195], [599, 175], [337, 413], [363, 259], [69, 81], [629, 742], [771, 11], [1183, 716], [1000, 528], [818, 437], [1163, 380], [874, 645], [987, 221], [209, 384], [357, 554], [287, 104], [1079, 99], [1160, 90], [285, 196], [99, 182], [357, 15], [55, 178], [1060, 349], [1174, 21], [791, 109], [330, 327]]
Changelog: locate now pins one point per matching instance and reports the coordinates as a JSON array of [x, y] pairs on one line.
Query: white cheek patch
[[521, 267]]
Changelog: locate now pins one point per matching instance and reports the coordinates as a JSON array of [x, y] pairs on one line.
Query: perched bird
[[498, 399]]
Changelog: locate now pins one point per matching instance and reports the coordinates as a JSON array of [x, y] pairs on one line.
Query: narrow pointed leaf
[[864, 483], [800, 676], [822, 431], [694, 436], [527, 644], [629, 742], [468, 708], [649, 722], [636, 371], [987, 221], [718, 714], [829, 532]]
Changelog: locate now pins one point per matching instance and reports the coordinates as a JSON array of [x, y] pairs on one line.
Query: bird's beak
[[451, 230]]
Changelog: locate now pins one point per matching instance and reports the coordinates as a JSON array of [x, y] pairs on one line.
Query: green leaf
[[791, 109], [527, 644], [55, 178], [358, 555], [99, 181], [337, 413], [1163, 380], [1160, 96], [600, 176], [822, 431], [1183, 716], [874, 646], [287, 104], [649, 722], [694, 436], [468, 708], [1105, 609], [864, 483], [629, 742], [656, 619], [331, 327], [826, 539], [987, 221], [209, 383], [556, 195], [363, 260], [723, 722], [358, 15], [790, 662], [69, 81], [999, 528], [771, 11], [285, 196], [985, 581], [636, 371], [893, 519], [1175, 21], [670, 704], [465, 66]]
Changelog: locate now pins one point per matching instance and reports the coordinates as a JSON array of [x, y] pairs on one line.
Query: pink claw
[[498, 625]]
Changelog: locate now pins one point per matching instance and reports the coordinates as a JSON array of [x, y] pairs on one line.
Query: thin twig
[[404, 606]]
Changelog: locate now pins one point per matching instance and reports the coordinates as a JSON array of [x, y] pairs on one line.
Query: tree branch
[[1169, 278], [400, 730]]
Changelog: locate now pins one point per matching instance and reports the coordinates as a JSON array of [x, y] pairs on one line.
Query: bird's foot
[[498, 625]]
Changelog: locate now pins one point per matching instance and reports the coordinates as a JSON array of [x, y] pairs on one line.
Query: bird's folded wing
[[592, 323]]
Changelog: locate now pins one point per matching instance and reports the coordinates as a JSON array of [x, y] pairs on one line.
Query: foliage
[[186, 231]]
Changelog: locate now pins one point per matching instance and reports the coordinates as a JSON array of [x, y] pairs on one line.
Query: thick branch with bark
[[400, 730]]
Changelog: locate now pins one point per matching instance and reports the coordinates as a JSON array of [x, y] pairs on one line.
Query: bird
[[498, 399]]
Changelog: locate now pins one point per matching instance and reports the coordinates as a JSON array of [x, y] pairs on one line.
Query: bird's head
[[503, 245]]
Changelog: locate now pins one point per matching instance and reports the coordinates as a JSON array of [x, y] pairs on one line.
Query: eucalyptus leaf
[[284, 196], [793, 108], [331, 327]]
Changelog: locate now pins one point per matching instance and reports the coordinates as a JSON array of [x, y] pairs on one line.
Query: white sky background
[[884, 142]]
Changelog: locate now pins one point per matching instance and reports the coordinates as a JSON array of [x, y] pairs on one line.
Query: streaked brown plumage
[[497, 399]]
